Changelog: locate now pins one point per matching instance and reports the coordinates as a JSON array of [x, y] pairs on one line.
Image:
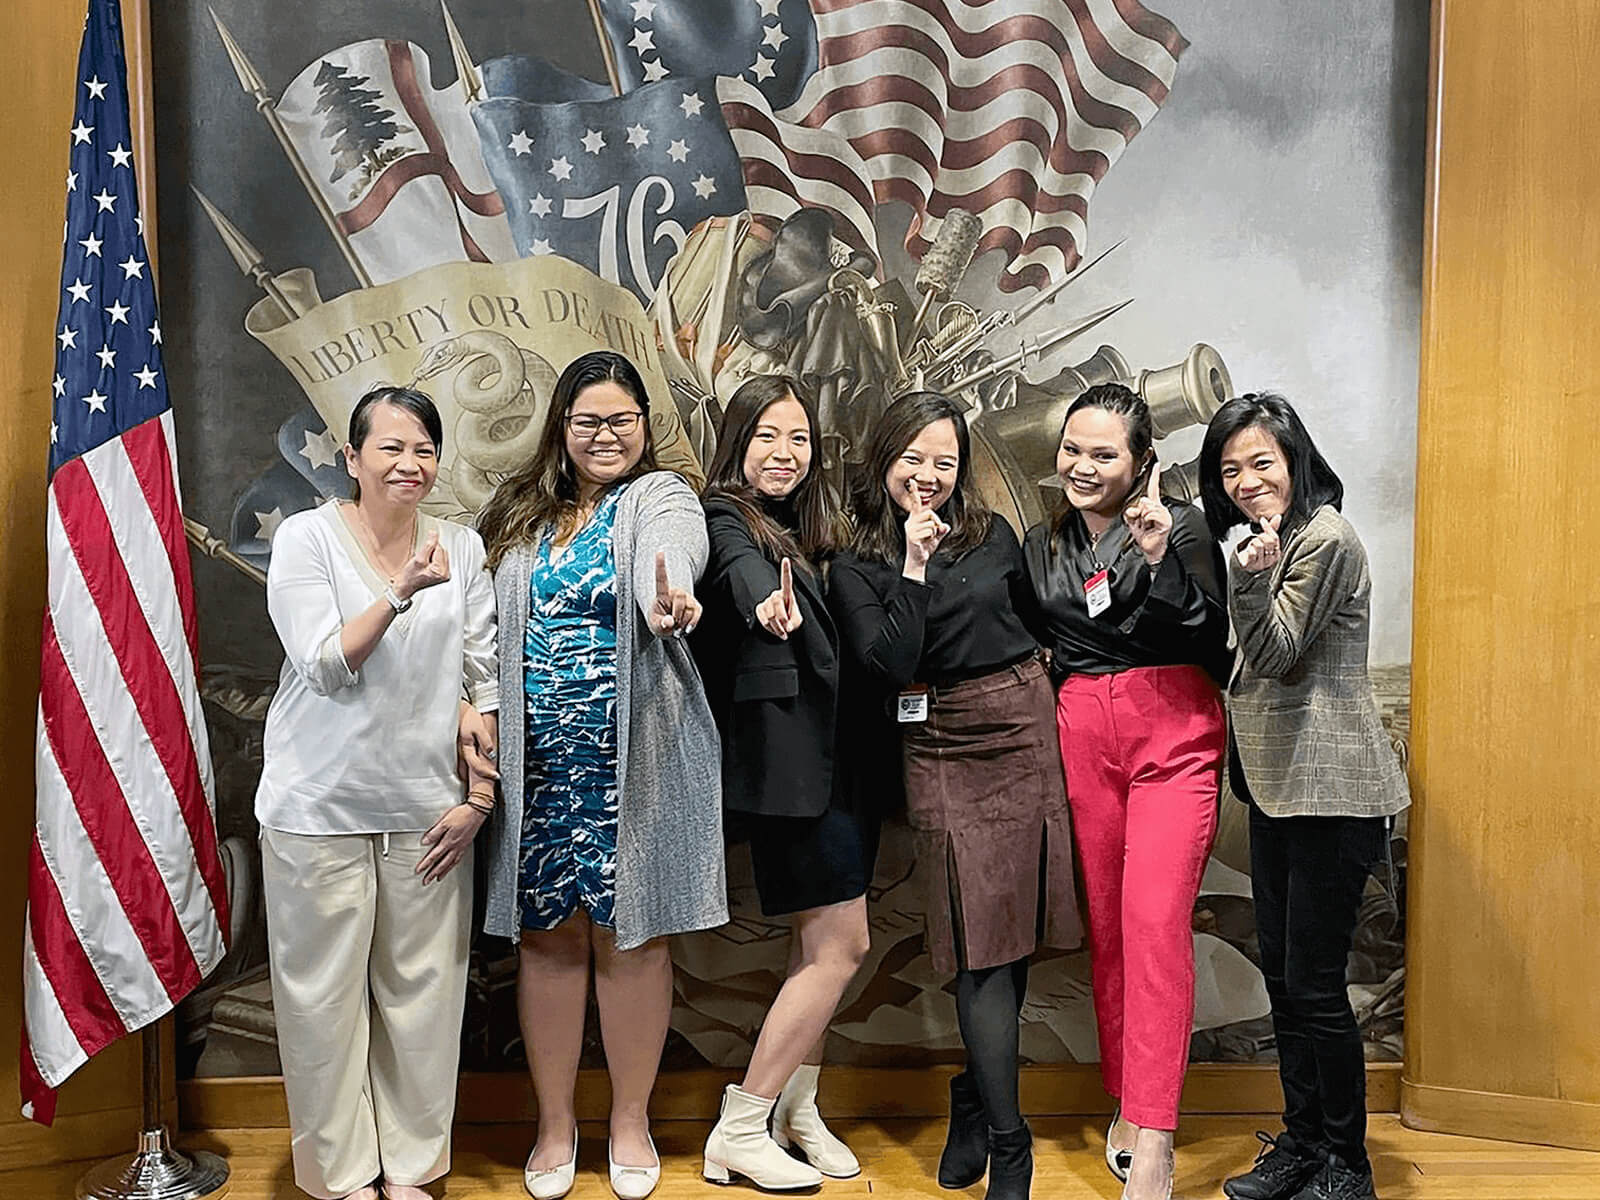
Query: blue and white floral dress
[[569, 650]]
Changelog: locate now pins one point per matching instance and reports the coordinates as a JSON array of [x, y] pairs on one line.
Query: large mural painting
[[873, 195]]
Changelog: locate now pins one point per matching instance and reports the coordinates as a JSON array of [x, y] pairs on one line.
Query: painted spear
[[466, 70], [1031, 348], [251, 262], [256, 89], [952, 354]]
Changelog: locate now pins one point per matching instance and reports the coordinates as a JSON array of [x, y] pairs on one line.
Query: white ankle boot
[[739, 1145], [796, 1121]]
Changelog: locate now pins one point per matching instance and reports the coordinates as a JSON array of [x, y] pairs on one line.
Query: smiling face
[[928, 466], [1255, 474], [1095, 463], [397, 462], [603, 455], [779, 453]]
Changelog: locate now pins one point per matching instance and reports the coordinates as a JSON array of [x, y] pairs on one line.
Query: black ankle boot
[[1281, 1170], [966, 1146], [1010, 1164]]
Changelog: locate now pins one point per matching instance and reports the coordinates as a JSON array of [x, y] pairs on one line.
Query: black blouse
[[1176, 615], [962, 623]]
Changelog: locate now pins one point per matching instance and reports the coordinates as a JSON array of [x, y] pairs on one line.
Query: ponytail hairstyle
[[1126, 403], [410, 400]]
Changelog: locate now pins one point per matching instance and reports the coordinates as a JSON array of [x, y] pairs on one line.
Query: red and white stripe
[[1012, 110], [127, 904]]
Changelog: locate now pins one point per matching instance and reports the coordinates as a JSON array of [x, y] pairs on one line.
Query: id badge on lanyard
[[1097, 592]]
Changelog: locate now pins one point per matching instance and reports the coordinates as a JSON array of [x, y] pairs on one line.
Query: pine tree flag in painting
[[127, 906]]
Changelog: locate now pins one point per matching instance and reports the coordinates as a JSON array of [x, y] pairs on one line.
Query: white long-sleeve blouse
[[371, 750]]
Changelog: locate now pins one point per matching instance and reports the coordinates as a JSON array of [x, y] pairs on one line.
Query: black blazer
[[775, 702]]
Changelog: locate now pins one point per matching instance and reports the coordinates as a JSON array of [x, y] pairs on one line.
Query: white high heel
[[1119, 1161], [551, 1183], [634, 1183], [740, 1145]]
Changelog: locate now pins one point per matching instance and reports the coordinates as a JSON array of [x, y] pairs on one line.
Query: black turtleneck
[[962, 623]]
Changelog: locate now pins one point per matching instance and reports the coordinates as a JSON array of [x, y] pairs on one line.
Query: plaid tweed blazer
[[1305, 720]]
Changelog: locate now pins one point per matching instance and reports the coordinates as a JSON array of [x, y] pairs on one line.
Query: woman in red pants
[[1133, 610]]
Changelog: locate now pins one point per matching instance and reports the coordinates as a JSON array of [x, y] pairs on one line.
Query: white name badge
[[911, 706], [1097, 592]]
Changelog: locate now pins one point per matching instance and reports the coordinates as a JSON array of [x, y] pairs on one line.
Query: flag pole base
[[156, 1172]]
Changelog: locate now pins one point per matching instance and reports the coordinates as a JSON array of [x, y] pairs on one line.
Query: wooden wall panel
[[1503, 1012], [38, 66]]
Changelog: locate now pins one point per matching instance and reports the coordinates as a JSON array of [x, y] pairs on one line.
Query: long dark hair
[[820, 528], [880, 522], [546, 490], [1126, 403], [412, 401], [1312, 482]]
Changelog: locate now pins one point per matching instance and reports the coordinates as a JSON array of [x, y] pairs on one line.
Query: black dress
[[813, 836]]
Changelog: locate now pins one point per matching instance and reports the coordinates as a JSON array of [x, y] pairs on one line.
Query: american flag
[[127, 905], [614, 183], [1012, 110]]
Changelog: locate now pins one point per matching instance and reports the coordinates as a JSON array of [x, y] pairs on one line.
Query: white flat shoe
[[552, 1183], [634, 1183]]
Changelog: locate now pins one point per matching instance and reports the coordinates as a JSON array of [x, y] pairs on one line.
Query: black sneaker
[[1339, 1181], [1282, 1169]]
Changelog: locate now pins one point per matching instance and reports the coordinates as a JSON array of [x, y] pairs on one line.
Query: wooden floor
[[900, 1157]]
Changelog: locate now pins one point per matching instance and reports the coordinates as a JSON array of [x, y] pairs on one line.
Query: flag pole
[[156, 1171], [606, 50], [255, 87]]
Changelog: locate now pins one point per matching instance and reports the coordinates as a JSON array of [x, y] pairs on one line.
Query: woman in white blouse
[[387, 620]]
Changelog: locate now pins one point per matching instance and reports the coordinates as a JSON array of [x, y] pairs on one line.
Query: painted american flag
[[1012, 110], [127, 905]]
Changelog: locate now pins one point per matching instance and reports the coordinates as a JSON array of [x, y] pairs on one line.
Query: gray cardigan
[[1304, 717], [670, 875]]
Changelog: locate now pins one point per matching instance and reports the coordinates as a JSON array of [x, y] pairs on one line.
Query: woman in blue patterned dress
[[609, 837]]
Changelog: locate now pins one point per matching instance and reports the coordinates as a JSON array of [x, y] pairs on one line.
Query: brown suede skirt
[[987, 805]]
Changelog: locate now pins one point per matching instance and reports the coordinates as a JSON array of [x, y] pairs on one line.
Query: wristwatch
[[393, 597]]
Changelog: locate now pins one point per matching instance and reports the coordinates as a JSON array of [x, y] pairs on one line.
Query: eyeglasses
[[587, 425]]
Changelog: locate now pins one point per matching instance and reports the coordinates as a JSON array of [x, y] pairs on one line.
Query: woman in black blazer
[[769, 655]]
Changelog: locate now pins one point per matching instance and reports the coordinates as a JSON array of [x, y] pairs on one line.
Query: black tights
[[988, 1007]]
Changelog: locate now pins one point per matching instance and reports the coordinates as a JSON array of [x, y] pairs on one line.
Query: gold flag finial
[[255, 87], [251, 262], [466, 70]]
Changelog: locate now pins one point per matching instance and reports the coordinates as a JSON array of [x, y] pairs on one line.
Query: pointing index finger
[[1152, 490], [663, 584], [916, 496], [786, 582]]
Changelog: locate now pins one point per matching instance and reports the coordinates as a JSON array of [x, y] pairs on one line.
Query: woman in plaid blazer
[[1309, 755]]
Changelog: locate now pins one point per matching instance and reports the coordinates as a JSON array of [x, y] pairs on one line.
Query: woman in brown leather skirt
[[930, 601]]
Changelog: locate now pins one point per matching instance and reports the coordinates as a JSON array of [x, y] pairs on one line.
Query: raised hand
[[1149, 521], [924, 532], [1262, 552], [430, 565], [779, 614], [675, 610]]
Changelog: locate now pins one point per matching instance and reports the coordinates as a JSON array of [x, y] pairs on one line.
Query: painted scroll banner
[[486, 341]]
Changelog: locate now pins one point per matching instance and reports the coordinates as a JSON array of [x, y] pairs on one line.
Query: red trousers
[[1143, 751]]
